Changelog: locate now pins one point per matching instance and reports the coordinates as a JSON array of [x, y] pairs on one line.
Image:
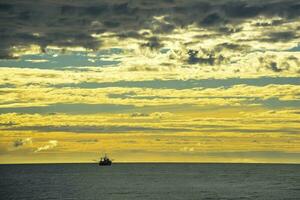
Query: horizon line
[[153, 162]]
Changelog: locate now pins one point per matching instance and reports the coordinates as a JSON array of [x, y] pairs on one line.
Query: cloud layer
[[74, 23], [150, 80]]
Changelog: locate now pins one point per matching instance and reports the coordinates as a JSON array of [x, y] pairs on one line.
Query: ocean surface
[[150, 181]]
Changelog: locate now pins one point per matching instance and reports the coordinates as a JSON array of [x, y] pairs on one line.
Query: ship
[[105, 161]]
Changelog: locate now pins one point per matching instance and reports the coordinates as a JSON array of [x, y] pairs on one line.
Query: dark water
[[150, 181]]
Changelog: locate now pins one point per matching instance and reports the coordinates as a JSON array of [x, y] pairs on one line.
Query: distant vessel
[[105, 161]]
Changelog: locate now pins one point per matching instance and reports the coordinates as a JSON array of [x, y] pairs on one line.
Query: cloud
[[279, 64], [21, 142], [183, 71], [100, 129], [187, 149], [72, 24], [129, 99], [51, 144], [206, 57], [37, 61], [88, 141], [153, 43], [283, 36], [137, 114], [212, 19], [278, 155]]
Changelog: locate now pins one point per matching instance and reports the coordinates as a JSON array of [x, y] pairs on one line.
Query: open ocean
[[150, 181]]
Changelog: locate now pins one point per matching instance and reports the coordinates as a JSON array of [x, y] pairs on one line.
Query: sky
[[150, 81]]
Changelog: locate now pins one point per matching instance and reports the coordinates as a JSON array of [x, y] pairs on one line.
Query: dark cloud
[[142, 68], [129, 34], [18, 143], [122, 95], [257, 154], [283, 36], [164, 28], [194, 58], [274, 67], [70, 108], [246, 130], [207, 57], [212, 19], [137, 114], [270, 62], [231, 46], [21, 142], [96, 129], [153, 43], [10, 123], [88, 141], [215, 55], [180, 84], [129, 142], [229, 29], [244, 9], [71, 23]]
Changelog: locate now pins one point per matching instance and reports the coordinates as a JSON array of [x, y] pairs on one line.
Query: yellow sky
[[177, 82]]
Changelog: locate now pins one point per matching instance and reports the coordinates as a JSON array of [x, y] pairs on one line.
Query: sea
[[161, 181]]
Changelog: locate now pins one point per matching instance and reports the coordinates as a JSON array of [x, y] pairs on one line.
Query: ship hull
[[105, 163]]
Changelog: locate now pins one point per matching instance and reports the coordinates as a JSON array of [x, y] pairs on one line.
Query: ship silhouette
[[105, 161]]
